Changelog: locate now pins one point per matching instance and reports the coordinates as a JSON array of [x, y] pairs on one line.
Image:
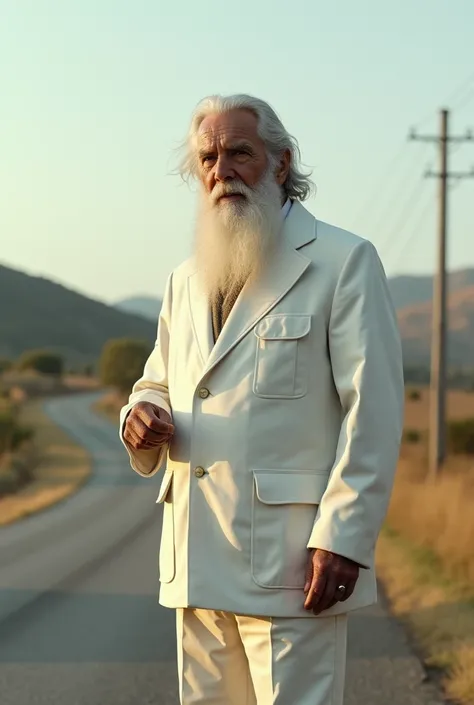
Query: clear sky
[[95, 94]]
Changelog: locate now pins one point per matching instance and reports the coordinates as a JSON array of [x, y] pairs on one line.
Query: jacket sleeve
[[152, 387], [366, 359]]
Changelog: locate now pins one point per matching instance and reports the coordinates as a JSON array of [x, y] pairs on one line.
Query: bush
[[411, 435], [15, 475], [461, 437], [414, 395], [122, 363], [12, 434], [47, 363]]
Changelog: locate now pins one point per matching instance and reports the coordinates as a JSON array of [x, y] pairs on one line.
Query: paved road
[[102, 639]]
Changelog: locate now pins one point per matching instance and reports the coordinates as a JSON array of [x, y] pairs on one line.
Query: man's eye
[[208, 158]]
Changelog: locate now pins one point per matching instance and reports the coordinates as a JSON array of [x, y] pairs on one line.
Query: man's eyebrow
[[230, 147], [240, 144]]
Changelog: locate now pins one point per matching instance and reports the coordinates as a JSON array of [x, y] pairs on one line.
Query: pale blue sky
[[96, 93]]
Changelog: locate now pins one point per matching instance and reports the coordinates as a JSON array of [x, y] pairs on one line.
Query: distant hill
[[412, 297], [411, 290], [145, 306], [37, 313], [415, 327]]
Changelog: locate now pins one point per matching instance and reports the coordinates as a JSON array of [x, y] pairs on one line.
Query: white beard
[[234, 238]]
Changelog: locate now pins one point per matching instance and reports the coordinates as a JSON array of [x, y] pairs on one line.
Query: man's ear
[[283, 167]]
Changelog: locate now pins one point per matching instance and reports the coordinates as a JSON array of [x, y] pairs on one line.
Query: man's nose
[[223, 170]]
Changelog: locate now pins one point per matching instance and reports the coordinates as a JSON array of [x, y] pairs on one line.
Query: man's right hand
[[147, 427]]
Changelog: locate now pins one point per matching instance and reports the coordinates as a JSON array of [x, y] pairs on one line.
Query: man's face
[[230, 152], [239, 216]]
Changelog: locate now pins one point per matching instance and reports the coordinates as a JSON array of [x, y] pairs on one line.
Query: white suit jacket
[[287, 430]]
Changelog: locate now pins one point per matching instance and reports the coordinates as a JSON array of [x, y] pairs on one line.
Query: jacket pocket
[[167, 549], [282, 356], [284, 507]]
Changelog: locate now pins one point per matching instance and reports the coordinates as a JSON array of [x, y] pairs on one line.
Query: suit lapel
[[283, 270], [201, 317], [256, 300]]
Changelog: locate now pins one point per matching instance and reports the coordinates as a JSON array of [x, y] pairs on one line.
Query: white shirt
[[286, 208]]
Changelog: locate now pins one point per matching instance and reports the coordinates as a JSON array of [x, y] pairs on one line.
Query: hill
[[411, 290], [412, 298], [145, 306], [37, 313], [415, 327]]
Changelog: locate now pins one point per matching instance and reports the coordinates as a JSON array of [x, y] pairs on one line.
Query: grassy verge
[[425, 559], [60, 468]]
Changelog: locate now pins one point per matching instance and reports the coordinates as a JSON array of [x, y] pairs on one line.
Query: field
[[425, 555]]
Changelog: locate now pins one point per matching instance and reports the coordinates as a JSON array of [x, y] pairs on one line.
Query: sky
[[97, 94]]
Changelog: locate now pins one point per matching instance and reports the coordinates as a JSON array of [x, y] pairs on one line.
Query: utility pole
[[437, 427]]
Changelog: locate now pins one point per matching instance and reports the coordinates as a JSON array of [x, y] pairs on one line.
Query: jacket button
[[204, 393], [199, 472]]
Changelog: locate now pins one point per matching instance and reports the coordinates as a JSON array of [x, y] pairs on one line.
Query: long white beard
[[234, 238]]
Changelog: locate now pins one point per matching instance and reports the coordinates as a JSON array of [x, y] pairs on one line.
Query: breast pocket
[[282, 356]]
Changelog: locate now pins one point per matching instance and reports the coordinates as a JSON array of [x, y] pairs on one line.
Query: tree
[[122, 363], [48, 363]]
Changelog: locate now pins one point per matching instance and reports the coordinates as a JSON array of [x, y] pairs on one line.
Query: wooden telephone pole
[[437, 441]]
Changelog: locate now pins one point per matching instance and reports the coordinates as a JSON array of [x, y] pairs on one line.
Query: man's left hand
[[325, 573]]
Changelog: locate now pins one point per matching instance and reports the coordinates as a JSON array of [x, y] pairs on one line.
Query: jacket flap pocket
[[165, 486], [285, 326], [289, 487]]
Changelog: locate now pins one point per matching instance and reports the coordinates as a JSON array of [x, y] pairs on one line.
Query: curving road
[[95, 635]]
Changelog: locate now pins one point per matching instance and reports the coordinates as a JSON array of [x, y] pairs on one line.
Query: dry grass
[[439, 613], [61, 469], [426, 555], [460, 405]]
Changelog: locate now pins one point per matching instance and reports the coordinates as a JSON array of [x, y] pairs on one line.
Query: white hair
[[298, 185]]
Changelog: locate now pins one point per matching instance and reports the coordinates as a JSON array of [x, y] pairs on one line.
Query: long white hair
[[298, 185]]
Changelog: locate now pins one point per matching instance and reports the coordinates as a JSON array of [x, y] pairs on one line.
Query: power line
[[453, 95], [403, 216], [465, 101], [412, 232], [380, 209], [389, 169]]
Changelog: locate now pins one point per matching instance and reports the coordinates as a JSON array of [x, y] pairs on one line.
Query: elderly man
[[275, 393]]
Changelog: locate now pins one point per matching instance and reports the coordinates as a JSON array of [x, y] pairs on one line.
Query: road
[[100, 637]]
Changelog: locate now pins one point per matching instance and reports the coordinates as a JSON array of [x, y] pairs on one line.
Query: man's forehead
[[231, 126]]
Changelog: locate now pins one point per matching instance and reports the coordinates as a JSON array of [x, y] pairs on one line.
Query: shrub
[[12, 433], [42, 361], [461, 437], [414, 395], [122, 363], [411, 435]]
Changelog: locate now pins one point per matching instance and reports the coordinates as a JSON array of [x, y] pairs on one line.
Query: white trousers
[[227, 659]]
